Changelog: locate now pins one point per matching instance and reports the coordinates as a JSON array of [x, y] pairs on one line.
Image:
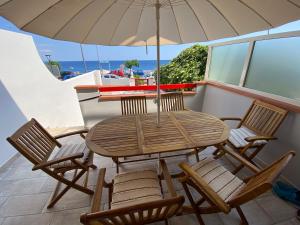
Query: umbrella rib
[[179, 34], [224, 17], [69, 20], [39, 14], [253, 10], [5, 3], [97, 20], [140, 17], [116, 28], [191, 8], [293, 3]]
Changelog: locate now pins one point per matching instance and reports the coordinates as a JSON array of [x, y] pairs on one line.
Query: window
[[275, 67], [227, 63]]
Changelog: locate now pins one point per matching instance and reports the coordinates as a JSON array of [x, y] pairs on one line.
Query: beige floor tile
[[285, 223], [23, 173], [24, 195], [65, 218], [160, 223], [48, 185], [4, 172], [2, 200], [5, 187], [24, 205], [73, 199], [212, 219], [277, 208], [253, 212], [38, 219], [230, 219], [20, 162], [28, 186], [295, 221]]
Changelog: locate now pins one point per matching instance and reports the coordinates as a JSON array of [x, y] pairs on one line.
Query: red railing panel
[[146, 88]]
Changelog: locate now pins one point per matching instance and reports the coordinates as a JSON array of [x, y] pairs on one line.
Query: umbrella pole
[[82, 55], [157, 6]]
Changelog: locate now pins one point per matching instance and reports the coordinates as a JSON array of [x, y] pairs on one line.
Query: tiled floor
[[24, 195]]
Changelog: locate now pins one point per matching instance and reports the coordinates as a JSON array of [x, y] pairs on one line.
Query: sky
[[70, 51]]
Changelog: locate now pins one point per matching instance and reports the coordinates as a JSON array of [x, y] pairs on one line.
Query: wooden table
[[135, 135]]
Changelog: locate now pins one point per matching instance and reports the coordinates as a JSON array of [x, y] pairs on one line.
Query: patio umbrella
[[151, 22]]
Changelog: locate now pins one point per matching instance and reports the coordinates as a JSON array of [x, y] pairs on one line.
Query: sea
[[78, 66]]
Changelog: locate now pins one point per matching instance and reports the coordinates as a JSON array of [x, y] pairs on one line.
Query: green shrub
[[187, 67]]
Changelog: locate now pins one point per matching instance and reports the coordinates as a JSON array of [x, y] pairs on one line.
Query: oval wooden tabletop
[[138, 134]]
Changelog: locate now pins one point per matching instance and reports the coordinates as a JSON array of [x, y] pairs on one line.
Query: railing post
[[209, 54], [247, 63]]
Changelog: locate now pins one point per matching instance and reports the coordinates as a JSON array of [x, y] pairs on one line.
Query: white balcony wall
[[28, 89], [94, 110], [223, 103]]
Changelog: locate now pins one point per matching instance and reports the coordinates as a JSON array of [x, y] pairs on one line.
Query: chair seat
[[134, 188], [66, 150], [237, 137], [222, 181]]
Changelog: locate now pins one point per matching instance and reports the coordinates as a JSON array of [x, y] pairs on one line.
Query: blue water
[[78, 66]]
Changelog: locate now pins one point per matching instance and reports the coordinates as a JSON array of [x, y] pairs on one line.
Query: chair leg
[[196, 151], [194, 205], [93, 166], [56, 196], [238, 169], [249, 158], [166, 222], [117, 165], [116, 161], [215, 153], [242, 216]]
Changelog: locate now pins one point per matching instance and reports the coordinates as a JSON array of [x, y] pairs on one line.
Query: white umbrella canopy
[[132, 22], [151, 22]]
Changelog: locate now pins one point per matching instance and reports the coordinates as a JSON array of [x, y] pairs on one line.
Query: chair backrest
[[132, 105], [136, 215], [33, 142], [262, 181], [172, 102], [263, 118]]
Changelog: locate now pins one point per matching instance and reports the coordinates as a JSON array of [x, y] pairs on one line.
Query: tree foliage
[[54, 63], [187, 67], [131, 63]]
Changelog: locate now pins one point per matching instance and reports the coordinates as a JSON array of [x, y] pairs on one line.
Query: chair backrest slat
[[172, 102], [137, 215], [263, 118], [262, 181], [33, 141], [133, 105]]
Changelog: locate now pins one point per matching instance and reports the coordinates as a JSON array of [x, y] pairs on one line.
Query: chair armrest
[[168, 178], [98, 192], [55, 161], [238, 157], [258, 138], [204, 187], [82, 131], [230, 118]]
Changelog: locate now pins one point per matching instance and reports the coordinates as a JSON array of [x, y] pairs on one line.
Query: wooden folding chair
[[172, 102], [224, 191], [47, 154], [132, 105], [255, 130], [135, 198]]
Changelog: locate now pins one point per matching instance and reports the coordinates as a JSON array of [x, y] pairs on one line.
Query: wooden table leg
[[116, 161]]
